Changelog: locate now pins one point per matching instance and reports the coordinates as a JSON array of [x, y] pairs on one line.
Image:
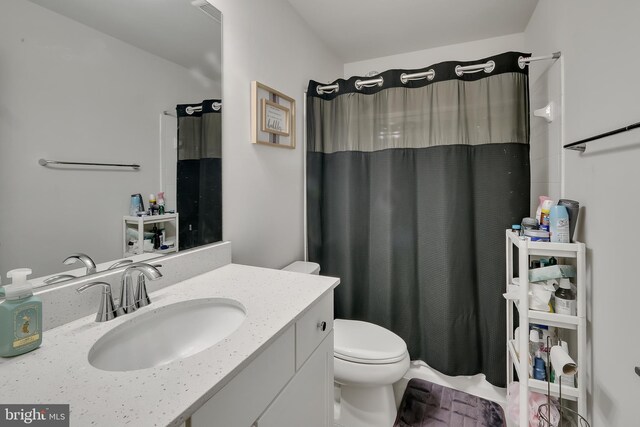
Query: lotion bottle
[[20, 316]]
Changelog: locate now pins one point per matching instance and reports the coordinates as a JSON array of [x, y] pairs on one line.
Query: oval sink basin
[[167, 334]]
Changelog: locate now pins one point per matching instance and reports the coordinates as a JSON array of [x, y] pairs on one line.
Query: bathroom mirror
[[106, 82]]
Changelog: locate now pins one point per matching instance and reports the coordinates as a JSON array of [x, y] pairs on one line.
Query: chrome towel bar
[[581, 145], [44, 162]]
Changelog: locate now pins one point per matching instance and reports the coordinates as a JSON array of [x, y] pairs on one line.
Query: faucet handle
[[120, 264], [106, 310], [141, 295], [131, 299], [84, 258]]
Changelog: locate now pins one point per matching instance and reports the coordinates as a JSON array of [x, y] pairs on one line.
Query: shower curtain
[[410, 187], [199, 186]]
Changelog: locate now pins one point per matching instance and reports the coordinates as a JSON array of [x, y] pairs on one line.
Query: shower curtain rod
[[214, 105], [522, 61], [431, 74]]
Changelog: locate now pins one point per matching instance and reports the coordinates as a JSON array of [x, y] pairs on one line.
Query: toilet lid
[[363, 342]]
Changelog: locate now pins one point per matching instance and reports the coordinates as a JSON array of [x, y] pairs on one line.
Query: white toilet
[[368, 359]]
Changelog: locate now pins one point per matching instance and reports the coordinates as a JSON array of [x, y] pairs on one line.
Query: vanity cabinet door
[[308, 398], [246, 396], [313, 327]]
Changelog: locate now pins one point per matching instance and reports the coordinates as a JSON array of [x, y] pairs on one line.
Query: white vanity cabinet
[[308, 398], [289, 383]]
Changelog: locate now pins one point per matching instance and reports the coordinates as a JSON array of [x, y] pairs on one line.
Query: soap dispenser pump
[[20, 316]]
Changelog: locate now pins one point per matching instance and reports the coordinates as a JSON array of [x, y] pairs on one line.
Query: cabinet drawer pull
[[322, 326]]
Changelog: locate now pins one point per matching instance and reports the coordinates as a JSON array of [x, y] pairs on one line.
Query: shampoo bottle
[[20, 316]]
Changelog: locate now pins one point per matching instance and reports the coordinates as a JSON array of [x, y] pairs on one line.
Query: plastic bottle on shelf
[[545, 209], [156, 237], [541, 203], [534, 347], [539, 367], [559, 224], [565, 298], [152, 204], [161, 206]]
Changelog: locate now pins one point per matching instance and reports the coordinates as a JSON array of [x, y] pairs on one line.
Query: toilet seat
[[366, 343]]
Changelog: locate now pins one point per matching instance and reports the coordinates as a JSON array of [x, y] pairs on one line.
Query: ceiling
[[172, 29], [363, 29]]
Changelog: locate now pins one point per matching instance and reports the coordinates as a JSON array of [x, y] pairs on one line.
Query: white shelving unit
[[526, 249], [142, 222]]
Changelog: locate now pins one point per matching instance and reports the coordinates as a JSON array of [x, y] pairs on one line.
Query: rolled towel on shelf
[[132, 234]]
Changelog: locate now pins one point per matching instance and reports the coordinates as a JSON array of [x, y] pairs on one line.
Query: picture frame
[[273, 117]]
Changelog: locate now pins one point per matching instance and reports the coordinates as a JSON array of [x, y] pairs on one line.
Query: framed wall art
[[273, 117]]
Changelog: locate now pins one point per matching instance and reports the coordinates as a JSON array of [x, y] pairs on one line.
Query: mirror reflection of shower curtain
[[410, 187], [199, 171]]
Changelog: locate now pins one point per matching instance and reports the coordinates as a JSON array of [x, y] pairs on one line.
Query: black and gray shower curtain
[[410, 187], [199, 173]]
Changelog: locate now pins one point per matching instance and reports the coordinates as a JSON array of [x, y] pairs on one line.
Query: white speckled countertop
[[59, 372]]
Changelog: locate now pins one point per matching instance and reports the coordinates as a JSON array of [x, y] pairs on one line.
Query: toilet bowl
[[368, 359]]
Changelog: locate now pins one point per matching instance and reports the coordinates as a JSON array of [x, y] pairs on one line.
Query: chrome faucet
[[84, 258], [120, 264], [106, 310], [141, 296], [130, 300], [59, 278]]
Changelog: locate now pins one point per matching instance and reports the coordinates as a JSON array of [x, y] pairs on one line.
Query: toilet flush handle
[[322, 326]]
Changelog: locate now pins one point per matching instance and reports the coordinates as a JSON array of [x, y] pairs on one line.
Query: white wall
[[546, 151], [262, 191], [599, 42], [422, 58], [68, 92]]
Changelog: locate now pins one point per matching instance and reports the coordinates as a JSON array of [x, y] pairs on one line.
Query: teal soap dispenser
[[20, 316]]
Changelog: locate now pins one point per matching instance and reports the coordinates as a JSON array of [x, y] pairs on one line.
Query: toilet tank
[[303, 267]]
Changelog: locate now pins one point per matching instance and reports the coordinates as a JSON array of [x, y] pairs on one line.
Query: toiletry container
[[573, 209], [136, 204], [534, 347], [541, 203], [537, 235], [559, 224], [161, 207], [528, 224], [545, 209], [517, 228], [565, 298], [156, 237], [20, 316], [153, 207], [539, 367]]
